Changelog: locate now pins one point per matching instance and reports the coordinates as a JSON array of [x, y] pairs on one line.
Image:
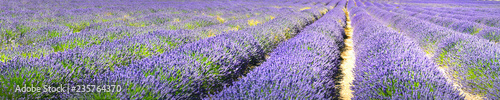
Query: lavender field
[[250, 49]]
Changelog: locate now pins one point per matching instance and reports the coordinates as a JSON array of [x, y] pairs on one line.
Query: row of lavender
[[471, 62], [55, 41], [471, 12], [193, 71], [205, 66], [157, 43], [89, 39], [468, 27], [117, 53], [480, 13], [156, 40], [391, 66], [303, 67], [27, 24], [489, 17]]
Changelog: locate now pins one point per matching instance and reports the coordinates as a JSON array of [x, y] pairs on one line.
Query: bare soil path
[[348, 62]]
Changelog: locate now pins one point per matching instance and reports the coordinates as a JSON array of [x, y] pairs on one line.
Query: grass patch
[[77, 27], [161, 20], [269, 18], [220, 19], [208, 68], [253, 22], [53, 34], [478, 76], [12, 34], [305, 8], [234, 28], [137, 24], [143, 90], [29, 77], [173, 27], [474, 30], [4, 58], [189, 26], [77, 42], [392, 84], [493, 36], [197, 25]]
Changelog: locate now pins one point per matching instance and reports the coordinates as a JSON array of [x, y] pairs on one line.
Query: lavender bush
[[467, 58], [466, 27], [301, 68], [393, 67]]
